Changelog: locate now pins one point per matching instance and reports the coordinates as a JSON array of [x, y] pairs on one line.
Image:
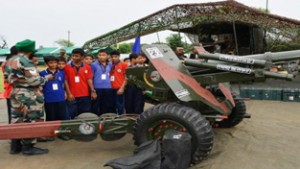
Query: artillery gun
[[188, 96]]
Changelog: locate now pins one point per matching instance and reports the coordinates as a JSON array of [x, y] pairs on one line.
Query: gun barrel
[[276, 56], [233, 59], [279, 75], [238, 69], [223, 67]]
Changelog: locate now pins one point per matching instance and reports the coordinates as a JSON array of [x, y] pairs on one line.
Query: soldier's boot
[[29, 149], [15, 146]]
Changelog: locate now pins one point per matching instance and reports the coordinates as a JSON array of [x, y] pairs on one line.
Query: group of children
[[85, 84]]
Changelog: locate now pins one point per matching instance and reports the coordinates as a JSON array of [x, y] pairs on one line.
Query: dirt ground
[[269, 140]]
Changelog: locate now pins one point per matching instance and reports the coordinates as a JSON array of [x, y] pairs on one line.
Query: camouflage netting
[[183, 16]]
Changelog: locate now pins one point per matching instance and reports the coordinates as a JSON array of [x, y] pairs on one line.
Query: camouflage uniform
[[26, 98]]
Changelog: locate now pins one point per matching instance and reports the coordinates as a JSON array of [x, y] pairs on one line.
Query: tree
[[125, 47], [174, 40], [64, 43], [3, 44]]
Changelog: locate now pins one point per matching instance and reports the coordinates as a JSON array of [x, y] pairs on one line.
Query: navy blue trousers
[[8, 110], [79, 105], [119, 102], [134, 100], [56, 111], [104, 102]]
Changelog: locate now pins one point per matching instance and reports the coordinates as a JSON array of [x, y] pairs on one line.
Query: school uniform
[[104, 102], [134, 99], [77, 78], [54, 96], [117, 77]]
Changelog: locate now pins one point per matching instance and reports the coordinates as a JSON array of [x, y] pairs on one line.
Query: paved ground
[[269, 140]]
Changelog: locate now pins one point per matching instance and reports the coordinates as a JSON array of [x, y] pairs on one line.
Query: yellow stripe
[[147, 82]]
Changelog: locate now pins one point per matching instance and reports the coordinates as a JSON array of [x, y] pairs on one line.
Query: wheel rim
[[157, 130]]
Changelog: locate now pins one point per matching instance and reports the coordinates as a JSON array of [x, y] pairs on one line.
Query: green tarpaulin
[[53, 51], [47, 51], [95, 51], [4, 52]]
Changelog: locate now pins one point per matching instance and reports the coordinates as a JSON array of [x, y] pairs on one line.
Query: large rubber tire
[[237, 114], [197, 126]]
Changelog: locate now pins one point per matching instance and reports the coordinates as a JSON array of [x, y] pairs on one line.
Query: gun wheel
[[154, 122], [237, 114]]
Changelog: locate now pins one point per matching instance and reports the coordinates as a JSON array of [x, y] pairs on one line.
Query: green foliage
[[277, 45], [174, 40], [187, 47], [125, 47], [282, 46], [64, 43]]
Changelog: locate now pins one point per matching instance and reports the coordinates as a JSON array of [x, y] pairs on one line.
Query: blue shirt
[[101, 75], [53, 89]]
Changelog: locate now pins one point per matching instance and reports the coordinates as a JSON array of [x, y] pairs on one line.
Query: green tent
[[47, 51], [69, 50], [95, 51], [54, 51], [3, 54], [4, 51]]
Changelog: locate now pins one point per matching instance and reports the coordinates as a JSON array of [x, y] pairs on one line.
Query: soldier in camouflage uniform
[[26, 98], [8, 87]]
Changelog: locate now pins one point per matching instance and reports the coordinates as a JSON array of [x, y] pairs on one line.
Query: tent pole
[[158, 37], [235, 38]]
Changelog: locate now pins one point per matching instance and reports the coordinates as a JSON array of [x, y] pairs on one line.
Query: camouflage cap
[[26, 46]]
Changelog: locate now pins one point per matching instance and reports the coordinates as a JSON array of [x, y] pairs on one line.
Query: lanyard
[[77, 69], [114, 67], [103, 67]]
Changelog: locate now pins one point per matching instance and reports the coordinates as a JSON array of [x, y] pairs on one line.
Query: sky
[[46, 21]]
